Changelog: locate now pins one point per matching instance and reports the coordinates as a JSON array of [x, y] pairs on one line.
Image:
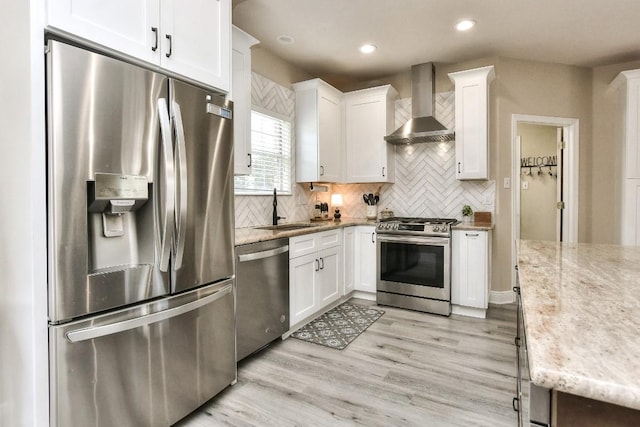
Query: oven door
[[414, 265]]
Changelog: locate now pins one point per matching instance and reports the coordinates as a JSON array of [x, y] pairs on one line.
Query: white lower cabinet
[[315, 273], [365, 259], [470, 272], [360, 261]]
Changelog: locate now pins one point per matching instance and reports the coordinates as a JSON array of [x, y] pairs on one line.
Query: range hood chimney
[[422, 127]]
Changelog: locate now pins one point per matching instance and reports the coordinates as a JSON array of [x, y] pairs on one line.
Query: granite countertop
[[473, 225], [581, 307], [253, 235]]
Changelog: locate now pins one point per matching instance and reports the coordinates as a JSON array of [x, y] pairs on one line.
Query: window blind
[[270, 156]]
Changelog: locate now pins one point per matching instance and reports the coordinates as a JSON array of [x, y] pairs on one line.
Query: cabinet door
[[196, 40], [472, 122], [330, 139], [471, 142], [330, 283], [123, 25], [365, 124], [469, 284], [303, 282], [349, 259], [241, 97], [366, 262], [318, 132]]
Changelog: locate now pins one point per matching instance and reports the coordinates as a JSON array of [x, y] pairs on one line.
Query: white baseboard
[[469, 311], [501, 297], [371, 296]]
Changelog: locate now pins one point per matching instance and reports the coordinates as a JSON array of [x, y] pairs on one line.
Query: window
[[270, 156]]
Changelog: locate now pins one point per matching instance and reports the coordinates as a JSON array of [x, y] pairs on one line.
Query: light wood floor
[[407, 369]]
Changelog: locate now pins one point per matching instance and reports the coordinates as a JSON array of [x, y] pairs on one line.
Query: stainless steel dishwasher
[[262, 294]]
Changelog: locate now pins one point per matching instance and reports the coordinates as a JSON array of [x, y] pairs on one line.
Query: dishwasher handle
[[114, 328], [263, 254]]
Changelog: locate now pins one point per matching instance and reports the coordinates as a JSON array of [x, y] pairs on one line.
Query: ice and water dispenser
[[120, 235]]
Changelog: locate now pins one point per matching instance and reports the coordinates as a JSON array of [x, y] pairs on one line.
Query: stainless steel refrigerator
[[141, 242]]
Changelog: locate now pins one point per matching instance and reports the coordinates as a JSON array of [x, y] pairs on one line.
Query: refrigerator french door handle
[[181, 193], [165, 222], [114, 328]]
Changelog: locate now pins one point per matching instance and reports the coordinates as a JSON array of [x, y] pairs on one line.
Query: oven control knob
[[436, 228]]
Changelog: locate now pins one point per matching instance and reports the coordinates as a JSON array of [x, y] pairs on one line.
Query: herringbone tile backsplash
[[425, 173]]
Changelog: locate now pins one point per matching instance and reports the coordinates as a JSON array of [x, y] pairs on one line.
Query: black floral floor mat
[[339, 326]]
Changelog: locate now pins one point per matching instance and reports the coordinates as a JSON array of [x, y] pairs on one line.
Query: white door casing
[[568, 169]]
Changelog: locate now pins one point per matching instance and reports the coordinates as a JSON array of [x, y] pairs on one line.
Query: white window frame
[[265, 192]]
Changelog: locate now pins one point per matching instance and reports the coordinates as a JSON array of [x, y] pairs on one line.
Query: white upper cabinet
[[196, 37], [318, 132], [472, 122], [191, 37], [128, 26], [241, 97], [368, 118], [628, 85]]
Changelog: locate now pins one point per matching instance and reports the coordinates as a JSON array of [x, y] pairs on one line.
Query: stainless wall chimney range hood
[[422, 127]]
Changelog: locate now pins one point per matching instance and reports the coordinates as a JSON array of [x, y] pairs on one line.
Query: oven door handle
[[438, 241]]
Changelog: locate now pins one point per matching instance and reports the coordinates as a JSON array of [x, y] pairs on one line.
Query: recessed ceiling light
[[367, 48], [285, 39], [465, 25]]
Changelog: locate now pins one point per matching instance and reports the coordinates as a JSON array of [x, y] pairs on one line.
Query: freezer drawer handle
[[263, 254], [114, 328]]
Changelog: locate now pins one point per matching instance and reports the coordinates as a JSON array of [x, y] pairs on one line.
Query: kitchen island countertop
[[253, 234], [580, 304]]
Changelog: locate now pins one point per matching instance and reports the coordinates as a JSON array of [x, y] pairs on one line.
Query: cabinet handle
[[321, 170], [317, 265], [155, 35], [170, 45], [249, 165], [459, 168], [513, 403], [471, 234], [373, 235], [516, 341], [322, 261], [383, 171]]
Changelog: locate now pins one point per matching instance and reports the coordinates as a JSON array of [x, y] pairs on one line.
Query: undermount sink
[[287, 227]]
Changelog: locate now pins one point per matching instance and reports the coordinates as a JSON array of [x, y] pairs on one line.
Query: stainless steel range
[[414, 263]]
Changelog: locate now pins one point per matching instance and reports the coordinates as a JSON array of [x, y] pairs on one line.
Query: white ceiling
[[328, 33]]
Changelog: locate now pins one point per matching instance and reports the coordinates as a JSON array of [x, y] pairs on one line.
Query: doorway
[[540, 182], [536, 140]]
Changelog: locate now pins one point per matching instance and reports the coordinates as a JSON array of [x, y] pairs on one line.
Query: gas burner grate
[[411, 220]]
